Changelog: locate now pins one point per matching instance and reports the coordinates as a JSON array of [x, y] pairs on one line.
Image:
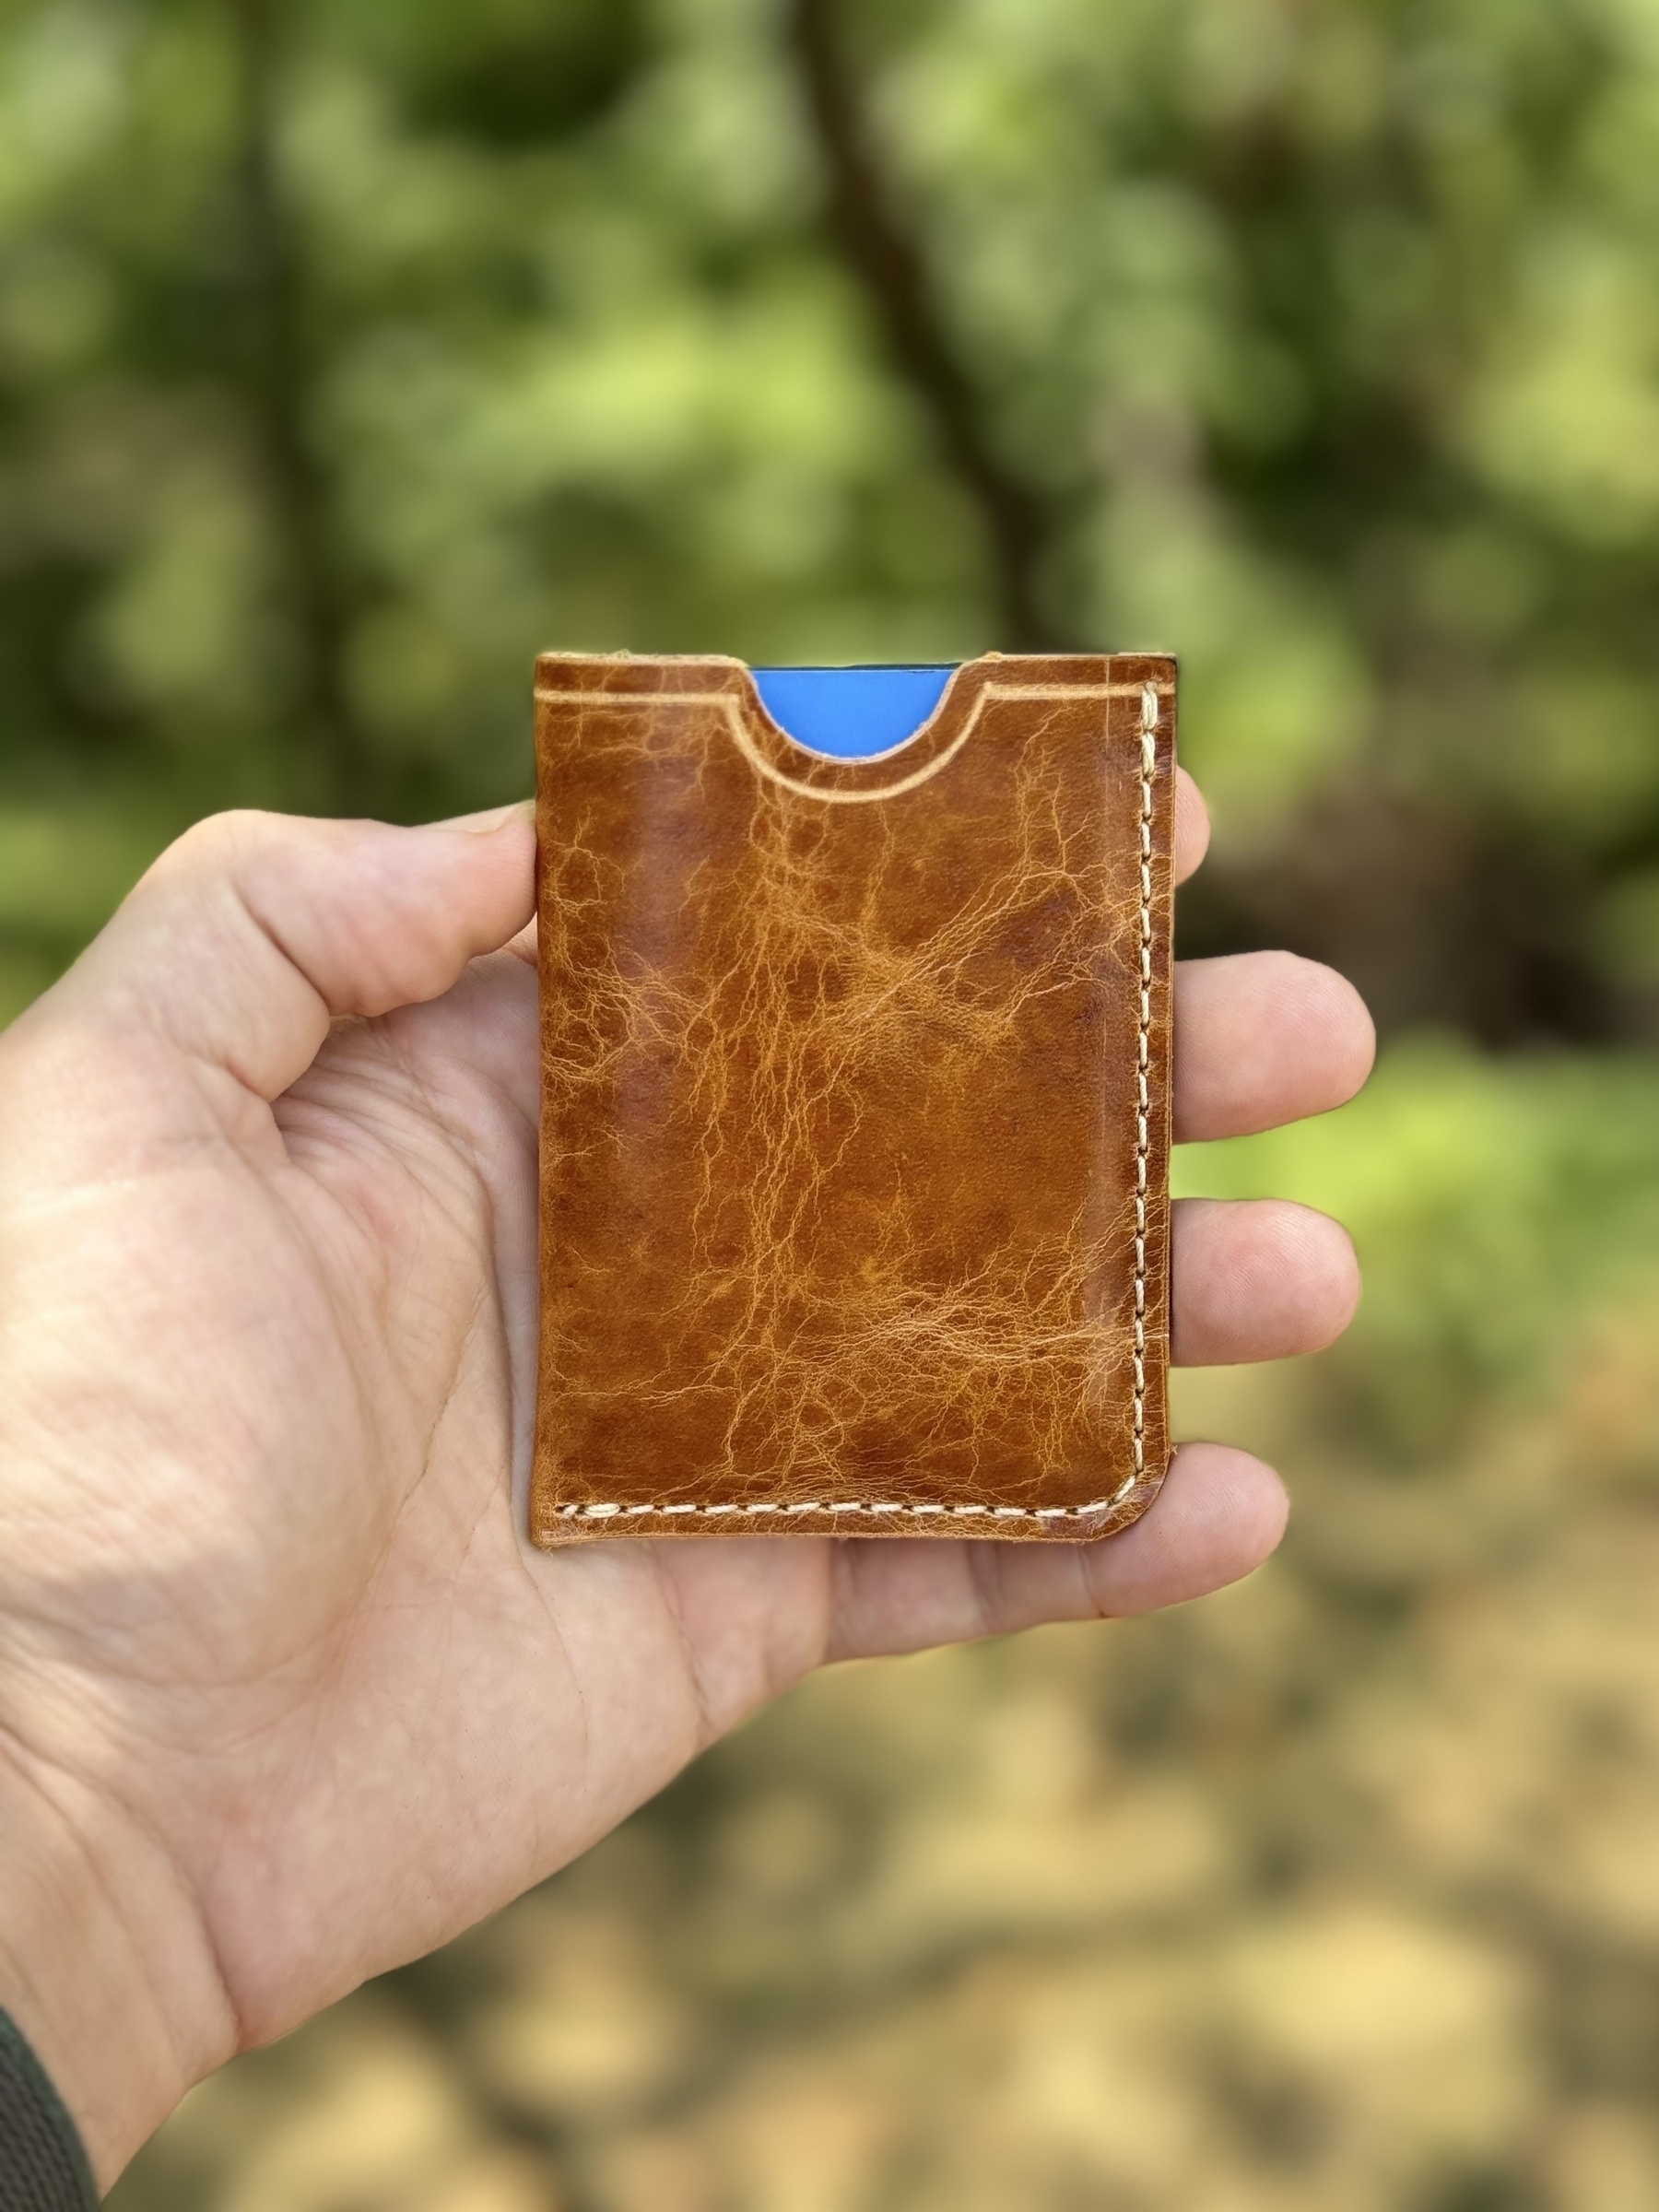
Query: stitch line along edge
[[885, 1509]]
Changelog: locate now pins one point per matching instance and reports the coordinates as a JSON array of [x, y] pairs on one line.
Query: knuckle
[[216, 840], [221, 844]]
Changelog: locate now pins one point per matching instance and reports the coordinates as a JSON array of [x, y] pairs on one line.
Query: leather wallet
[[855, 1105]]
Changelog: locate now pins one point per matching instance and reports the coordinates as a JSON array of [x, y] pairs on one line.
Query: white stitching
[[1148, 740], [970, 1513]]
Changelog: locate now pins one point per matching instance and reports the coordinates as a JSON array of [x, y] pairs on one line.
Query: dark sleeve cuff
[[42, 2166]]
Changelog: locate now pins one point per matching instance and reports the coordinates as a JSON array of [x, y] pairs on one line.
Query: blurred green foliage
[[351, 353]]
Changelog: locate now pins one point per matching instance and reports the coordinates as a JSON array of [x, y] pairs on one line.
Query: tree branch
[[890, 263]]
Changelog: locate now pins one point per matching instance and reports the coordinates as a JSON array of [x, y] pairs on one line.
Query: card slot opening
[[854, 712]]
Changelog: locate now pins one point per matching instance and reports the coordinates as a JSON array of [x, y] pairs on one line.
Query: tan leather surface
[[854, 1107]]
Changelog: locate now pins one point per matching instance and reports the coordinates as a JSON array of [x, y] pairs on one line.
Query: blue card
[[850, 713]]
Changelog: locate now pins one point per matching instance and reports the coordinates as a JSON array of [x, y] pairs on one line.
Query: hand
[[285, 1697]]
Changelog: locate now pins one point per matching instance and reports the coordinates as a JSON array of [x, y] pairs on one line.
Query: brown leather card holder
[[856, 1106]]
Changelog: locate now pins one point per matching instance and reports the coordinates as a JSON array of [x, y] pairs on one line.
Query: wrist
[[105, 1966]]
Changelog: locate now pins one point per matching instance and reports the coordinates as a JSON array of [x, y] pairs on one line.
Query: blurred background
[[351, 352]]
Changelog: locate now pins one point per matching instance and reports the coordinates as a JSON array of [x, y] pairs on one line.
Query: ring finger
[[1257, 1278]]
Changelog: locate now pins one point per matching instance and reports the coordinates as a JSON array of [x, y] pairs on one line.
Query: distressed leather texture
[[854, 1210]]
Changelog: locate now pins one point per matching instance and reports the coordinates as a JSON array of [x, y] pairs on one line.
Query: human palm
[[279, 1667]]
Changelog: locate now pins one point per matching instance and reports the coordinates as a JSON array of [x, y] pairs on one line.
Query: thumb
[[255, 930]]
